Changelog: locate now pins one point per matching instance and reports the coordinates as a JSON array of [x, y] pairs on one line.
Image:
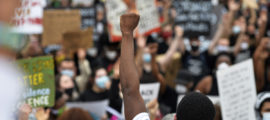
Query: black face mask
[[251, 36], [69, 91], [194, 47]]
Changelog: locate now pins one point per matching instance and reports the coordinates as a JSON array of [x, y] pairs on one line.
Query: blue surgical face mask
[[147, 57], [266, 116], [101, 81], [67, 72], [236, 29]]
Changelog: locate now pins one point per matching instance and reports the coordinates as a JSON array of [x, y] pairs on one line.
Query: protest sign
[[28, 18], [149, 17], [115, 8], [57, 22], [88, 17], [39, 79], [96, 107], [194, 16], [77, 39], [149, 91], [237, 91]]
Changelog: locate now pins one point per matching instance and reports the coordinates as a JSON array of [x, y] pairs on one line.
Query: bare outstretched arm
[[129, 77]]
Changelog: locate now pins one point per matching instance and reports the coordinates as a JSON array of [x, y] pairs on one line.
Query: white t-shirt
[[142, 116]]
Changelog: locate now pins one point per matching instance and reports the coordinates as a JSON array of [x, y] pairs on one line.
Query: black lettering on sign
[[147, 92], [194, 16]]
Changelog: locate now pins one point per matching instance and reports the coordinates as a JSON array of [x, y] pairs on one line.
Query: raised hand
[[42, 114], [129, 22], [179, 31]]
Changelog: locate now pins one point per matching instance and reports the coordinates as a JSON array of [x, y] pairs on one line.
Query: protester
[[98, 88], [195, 106], [180, 60]]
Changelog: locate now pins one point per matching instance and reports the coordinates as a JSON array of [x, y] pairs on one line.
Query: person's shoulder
[[142, 116]]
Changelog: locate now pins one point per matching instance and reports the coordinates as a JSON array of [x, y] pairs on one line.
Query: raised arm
[[259, 57], [177, 43], [129, 77], [155, 68]]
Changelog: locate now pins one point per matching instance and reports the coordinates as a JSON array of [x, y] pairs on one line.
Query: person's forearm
[[128, 73], [261, 33], [259, 68], [215, 39], [169, 54], [139, 61]]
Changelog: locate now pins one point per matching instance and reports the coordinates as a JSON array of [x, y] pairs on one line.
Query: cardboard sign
[[115, 8], [57, 22], [194, 16], [39, 79], [237, 91], [149, 17], [98, 107], [28, 18], [77, 39], [149, 91]]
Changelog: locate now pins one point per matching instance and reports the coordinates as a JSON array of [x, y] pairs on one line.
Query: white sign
[[149, 17], [237, 91], [98, 107], [28, 18], [115, 8], [149, 91]]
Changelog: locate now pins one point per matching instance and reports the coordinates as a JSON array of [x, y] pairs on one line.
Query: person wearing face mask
[[243, 49], [195, 61], [67, 67], [65, 85], [98, 88], [262, 106], [208, 85]]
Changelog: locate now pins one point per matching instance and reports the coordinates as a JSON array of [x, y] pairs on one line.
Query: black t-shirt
[[197, 65], [90, 95], [115, 99]]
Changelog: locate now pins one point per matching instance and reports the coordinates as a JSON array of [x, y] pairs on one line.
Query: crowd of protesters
[[94, 74]]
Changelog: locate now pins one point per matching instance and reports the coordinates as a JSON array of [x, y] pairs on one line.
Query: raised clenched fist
[[129, 22]]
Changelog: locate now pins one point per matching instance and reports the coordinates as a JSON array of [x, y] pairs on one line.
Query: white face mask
[[111, 55], [222, 48], [266, 116], [244, 46], [223, 66], [92, 52]]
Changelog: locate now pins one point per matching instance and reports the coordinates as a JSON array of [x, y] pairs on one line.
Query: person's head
[[263, 104], [194, 43], [75, 114], [223, 45], [101, 80], [67, 67], [245, 42], [64, 84], [223, 60], [7, 9], [195, 106], [167, 31]]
